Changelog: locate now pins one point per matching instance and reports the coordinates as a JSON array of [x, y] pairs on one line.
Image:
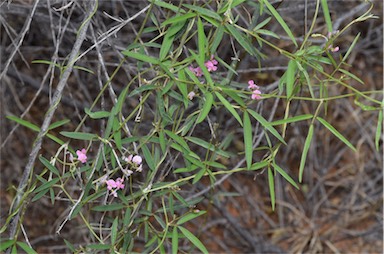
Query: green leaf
[[183, 87], [6, 244], [291, 71], [148, 157], [114, 230], [241, 39], [169, 38], [248, 139], [117, 133], [24, 123], [140, 57], [336, 133], [109, 207], [39, 195], [178, 19], [271, 182], [78, 135], [202, 11], [70, 246], [175, 241], [217, 39], [141, 89], [168, 6], [58, 124], [307, 144], [162, 141], [280, 20], [199, 175], [206, 108], [379, 129], [266, 125], [327, 15], [189, 216], [47, 164], [193, 239], [177, 139], [98, 246], [292, 119], [285, 175], [26, 248], [349, 51], [229, 107], [352, 76], [117, 108], [258, 165], [201, 39], [47, 185]]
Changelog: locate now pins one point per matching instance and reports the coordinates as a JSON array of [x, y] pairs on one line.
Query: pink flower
[[335, 49], [191, 95], [119, 183], [111, 184], [210, 66], [255, 90], [81, 155], [252, 85], [256, 95], [137, 160], [197, 71], [128, 159]]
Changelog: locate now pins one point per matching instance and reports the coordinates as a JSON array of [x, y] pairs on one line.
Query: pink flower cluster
[[210, 64], [81, 155], [136, 161], [256, 93], [114, 186]]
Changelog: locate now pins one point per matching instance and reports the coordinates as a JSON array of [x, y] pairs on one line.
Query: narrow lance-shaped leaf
[[201, 39], [305, 152], [280, 20], [229, 107], [206, 108], [271, 182], [327, 15], [336, 133], [266, 125], [193, 240], [241, 39], [175, 240], [291, 71], [79, 135], [285, 175], [248, 139], [51, 168]]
